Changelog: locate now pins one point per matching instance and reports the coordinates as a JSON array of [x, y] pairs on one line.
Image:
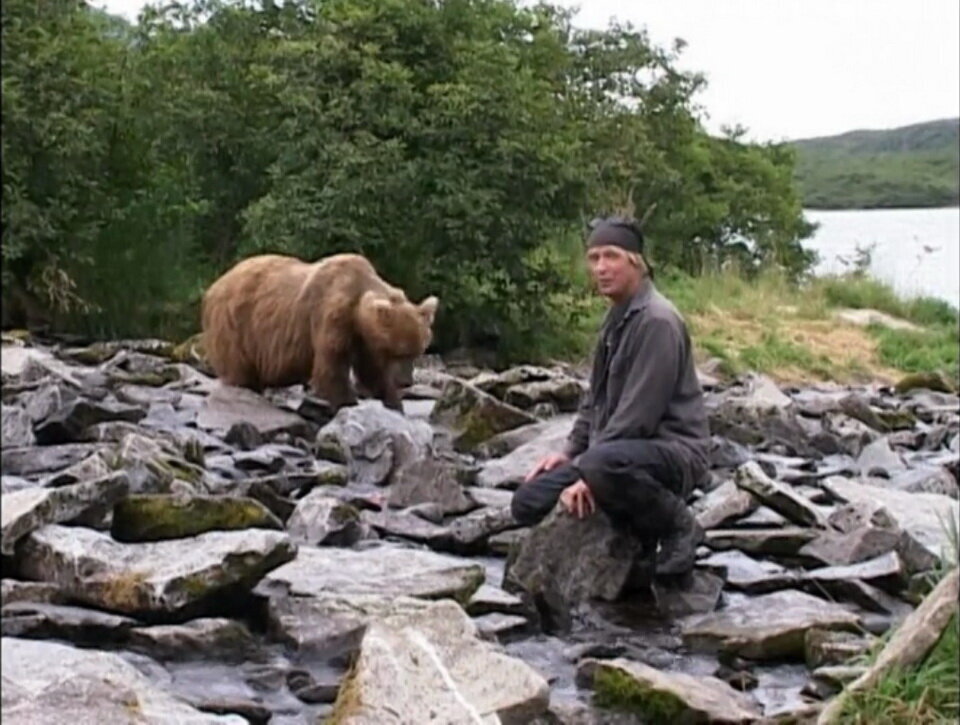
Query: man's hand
[[578, 500], [547, 463]]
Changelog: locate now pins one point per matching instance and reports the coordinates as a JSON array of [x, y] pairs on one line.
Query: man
[[638, 446]]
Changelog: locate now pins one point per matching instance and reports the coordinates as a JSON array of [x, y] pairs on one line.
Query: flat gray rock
[[27, 510], [509, 471], [771, 626], [778, 496], [323, 519], [206, 638], [785, 541], [43, 681], [427, 480], [382, 570], [672, 697], [17, 427], [724, 503], [159, 578], [227, 405], [430, 665], [748, 574]]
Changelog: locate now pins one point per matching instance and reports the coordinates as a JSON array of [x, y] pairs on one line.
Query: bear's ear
[[428, 309]]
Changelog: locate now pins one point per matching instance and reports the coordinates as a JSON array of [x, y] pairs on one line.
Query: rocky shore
[[178, 551]]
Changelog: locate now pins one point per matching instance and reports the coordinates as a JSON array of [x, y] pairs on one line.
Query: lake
[[917, 251]]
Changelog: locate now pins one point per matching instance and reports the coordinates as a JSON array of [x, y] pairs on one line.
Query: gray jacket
[[644, 383]]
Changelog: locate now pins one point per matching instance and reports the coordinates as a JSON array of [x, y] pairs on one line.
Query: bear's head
[[394, 328]]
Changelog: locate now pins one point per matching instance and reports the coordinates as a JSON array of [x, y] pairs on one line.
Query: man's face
[[614, 274]]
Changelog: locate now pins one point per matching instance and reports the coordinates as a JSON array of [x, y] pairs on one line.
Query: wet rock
[[488, 599], [227, 405], [45, 459], [831, 647], [322, 519], [155, 517], [778, 496], [376, 441], [17, 427], [160, 578], [748, 574], [428, 480], [771, 626], [509, 471], [383, 570], [433, 666], [565, 561], [473, 416], [496, 626], [32, 620], [44, 680], [695, 593], [925, 516], [14, 591], [726, 502], [199, 638], [785, 541], [250, 710], [27, 510], [665, 696], [563, 392], [886, 571], [878, 455]]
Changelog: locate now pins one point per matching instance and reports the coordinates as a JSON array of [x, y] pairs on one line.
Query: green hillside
[[911, 166]]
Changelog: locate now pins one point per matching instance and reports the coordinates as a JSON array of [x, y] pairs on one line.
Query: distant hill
[[911, 166]]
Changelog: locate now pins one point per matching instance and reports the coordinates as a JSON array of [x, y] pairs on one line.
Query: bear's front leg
[[377, 378], [330, 378]]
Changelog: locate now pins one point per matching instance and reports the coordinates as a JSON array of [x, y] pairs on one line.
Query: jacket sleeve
[[653, 353]]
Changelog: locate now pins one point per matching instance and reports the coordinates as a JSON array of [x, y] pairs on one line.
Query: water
[[917, 251]]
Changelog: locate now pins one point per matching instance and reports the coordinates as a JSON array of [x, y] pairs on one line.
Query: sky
[[789, 69]]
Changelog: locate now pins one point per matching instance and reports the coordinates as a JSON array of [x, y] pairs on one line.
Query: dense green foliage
[[912, 166], [460, 144]]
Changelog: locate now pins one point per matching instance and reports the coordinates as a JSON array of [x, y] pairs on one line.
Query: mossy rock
[[155, 517], [936, 381], [191, 352], [616, 690]]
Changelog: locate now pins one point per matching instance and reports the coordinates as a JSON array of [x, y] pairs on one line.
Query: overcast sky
[[788, 69]]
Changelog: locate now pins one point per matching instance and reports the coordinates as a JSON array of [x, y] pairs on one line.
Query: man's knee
[[524, 506], [598, 465]]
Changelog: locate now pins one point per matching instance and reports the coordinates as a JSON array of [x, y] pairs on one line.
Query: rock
[[879, 455], [376, 441], [925, 516], [428, 480], [473, 416], [154, 464], [11, 484], [470, 534], [44, 680], [831, 647], [866, 317], [407, 525], [785, 541], [383, 570], [725, 453], [771, 626], [227, 405], [747, 574], [32, 620], [696, 593], [67, 424], [562, 392], [497, 384], [492, 497], [503, 543], [488, 599], [835, 677], [28, 364], [565, 561], [762, 518], [762, 394], [432, 666], [223, 639], [935, 381], [321, 519], [503, 443], [29, 509], [885, 569], [926, 479], [91, 467], [46, 459], [726, 502], [778, 497], [17, 427], [496, 626], [155, 517], [668, 697], [161, 578], [509, 471], [14, 591]]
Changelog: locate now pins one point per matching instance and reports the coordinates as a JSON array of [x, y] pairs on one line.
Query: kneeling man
[[639, 444]]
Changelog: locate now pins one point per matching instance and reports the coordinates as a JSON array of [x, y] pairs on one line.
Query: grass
[[789, 331]]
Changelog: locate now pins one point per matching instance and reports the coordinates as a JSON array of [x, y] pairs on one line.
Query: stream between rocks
[[175, 550]]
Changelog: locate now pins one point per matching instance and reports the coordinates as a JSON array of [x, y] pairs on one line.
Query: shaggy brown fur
[[274, 320]]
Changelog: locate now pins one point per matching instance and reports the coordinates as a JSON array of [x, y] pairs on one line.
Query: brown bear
[[274, 320]]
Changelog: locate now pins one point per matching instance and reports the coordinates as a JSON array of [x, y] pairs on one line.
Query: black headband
[[618, 232]]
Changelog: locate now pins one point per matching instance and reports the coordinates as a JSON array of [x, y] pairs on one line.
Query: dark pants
[[639, 484]]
